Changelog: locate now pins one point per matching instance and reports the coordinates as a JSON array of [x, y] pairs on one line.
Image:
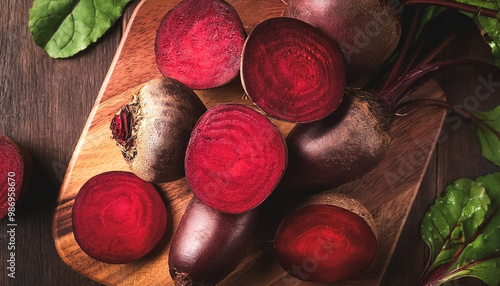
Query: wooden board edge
[[85, 130]]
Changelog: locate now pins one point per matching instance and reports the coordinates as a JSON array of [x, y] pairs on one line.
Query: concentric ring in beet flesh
[[235, 158], [118, 217], [292, 70], [199, 43]]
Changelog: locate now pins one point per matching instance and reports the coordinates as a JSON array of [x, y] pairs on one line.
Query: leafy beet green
[[63, 28], [490, 142], [462, 230], [483, 12]]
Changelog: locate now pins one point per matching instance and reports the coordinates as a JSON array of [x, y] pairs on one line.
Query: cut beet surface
[[235, 158], [199, 43], [326, 240], [292, 71], [15, 167], [118, 217]]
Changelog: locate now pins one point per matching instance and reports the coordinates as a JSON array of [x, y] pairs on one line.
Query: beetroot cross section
[[325, 243], [199, 43], [117, 217], [292, 71], [12, 174], [235, 158]]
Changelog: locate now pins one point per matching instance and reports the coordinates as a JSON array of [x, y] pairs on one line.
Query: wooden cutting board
[[388, 192]]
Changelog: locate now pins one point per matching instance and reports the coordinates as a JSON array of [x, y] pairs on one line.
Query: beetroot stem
[[396, 70], [434, 102], [394, 94], [457, 6]]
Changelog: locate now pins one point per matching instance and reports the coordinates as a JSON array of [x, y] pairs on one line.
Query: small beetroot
[[117, 217], [292, 71], [199, 43], [15, 169], [209, 244], [328, 239], [235, 158], [153, 129]]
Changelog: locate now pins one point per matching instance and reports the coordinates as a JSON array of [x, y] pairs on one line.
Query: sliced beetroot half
[[199, 43], [235, 158], [292, 71], [328, 239], [118, 217], [15, 168]]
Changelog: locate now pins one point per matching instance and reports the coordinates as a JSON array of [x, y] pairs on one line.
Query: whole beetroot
[[153, 129], [209, 244]]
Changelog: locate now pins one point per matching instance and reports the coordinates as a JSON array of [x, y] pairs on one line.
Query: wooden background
[[44, 104]]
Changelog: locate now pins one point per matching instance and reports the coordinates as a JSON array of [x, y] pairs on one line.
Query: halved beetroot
[[199, 43], [118, 217], [292, 70], [235, 158], [15, 169], [328, 239]]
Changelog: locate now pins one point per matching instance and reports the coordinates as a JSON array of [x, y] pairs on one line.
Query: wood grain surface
[[387, 192], [45, 104]]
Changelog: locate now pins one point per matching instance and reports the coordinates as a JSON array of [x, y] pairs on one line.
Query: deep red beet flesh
[[117, 217], [325, 243], [14, 170], [199, 43], [235, 158], [292, 71]]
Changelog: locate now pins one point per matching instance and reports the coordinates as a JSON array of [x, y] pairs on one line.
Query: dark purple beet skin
[[208, 244], [339, 148]]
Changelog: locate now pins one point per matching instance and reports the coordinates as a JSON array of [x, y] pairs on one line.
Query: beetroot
[[367, 31], [292, 71], [328, 239], [235, 158], [340, 148], [199, 43], [208, 244], [15, 169], [117, 217], [153, 129]]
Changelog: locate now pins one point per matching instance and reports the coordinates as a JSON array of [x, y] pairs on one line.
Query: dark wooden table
[[44, 104]]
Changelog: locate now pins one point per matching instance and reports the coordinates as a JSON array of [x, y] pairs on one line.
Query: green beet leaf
[[475, 233], [65, 27], [489, 25], [489, 141], [453, 219]]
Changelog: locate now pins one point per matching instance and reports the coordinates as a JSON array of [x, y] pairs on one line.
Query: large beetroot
[[15, 169], [199, 43], [367, 31], [117, 217], [235, 158], [153, 129], [292, 71]]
